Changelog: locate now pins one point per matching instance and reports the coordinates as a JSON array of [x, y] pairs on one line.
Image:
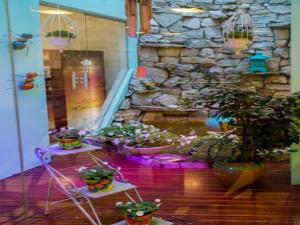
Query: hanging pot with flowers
[[60, 38], [238, 30], [140, 213], [97, 178]]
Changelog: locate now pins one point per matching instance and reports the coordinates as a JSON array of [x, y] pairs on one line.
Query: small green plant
[[61, 33], [97, 173], [69, 134], [139, 209], [239, 35]]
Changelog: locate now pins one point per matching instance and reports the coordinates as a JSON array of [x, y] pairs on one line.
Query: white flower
[[128, 203], [138, 131], [82, 168], [119, 203], [119, 168], [139, 213], [157, 200], [94, 171], [81, 132], [169, 140], [116, 141], [158, 205], [105, 163], [129, 210], [110, 134], [63, 129]]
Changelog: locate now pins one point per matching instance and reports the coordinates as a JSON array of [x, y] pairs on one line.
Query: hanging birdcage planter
[[59, 30], [238, 30]]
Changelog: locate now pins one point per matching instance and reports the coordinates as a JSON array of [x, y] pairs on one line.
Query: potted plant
[[238, 40], [150, 140], [69, 139], [116, 134], [97, 178], [138, 213], [261, 124], [137, 138], [60, 37]]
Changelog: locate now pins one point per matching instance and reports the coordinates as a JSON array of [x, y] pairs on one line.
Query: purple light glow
[[167, 161]]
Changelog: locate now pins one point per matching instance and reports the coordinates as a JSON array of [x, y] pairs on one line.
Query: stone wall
[[185, 54]]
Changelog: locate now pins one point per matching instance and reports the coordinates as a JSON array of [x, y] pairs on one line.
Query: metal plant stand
[[80, 195]]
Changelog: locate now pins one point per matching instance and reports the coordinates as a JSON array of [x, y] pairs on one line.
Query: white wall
[[32, 106]]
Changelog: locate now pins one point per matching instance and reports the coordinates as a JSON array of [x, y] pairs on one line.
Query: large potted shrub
[[260, 125], [140, 213]]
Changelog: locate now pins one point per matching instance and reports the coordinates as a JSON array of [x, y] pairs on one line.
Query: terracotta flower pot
[[238, 43], [99, 186], [147, 150], [238, 174], [140, 220], [69, 143]]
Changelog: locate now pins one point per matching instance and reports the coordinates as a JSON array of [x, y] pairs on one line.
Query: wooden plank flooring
[[189, 196]]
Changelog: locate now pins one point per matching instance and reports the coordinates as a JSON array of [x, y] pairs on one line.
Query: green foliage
[[135, 134], [64, 134], [121, 130], [261, 123], [96, 173], [137, 209], [153, 137], [239, 35], [61, 33]]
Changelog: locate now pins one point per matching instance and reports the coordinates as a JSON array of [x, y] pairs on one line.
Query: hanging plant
[[238, 30], [60, 30]]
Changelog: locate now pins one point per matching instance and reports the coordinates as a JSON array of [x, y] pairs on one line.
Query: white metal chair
[[79, 195]]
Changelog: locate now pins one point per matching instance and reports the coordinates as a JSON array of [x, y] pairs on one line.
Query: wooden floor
[[189, 196]]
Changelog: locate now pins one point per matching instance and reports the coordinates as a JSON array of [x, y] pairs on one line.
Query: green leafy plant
[[69, 134], [153, 137], [261, 124], [139, 209], [135, 134], [61, 33], [239, 35], [97, 173]]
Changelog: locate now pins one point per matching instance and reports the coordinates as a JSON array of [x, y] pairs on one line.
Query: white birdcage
[[238, 30], [60, 30]]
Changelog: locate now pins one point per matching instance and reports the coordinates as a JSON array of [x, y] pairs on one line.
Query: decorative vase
[[238, 44], [147, 150], [69, 143], [99, 186], [238, 174], [140, 220]]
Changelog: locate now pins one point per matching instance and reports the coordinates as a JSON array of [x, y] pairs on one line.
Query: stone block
[[169, 51]]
